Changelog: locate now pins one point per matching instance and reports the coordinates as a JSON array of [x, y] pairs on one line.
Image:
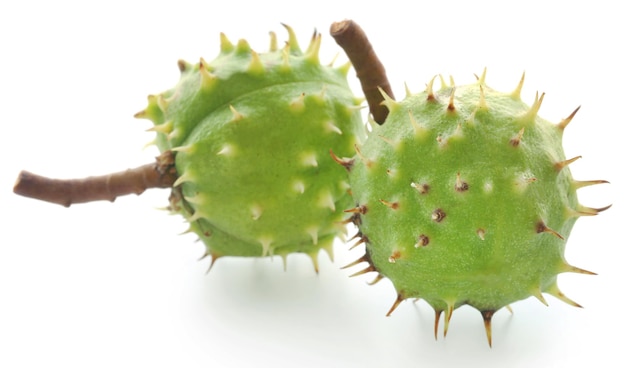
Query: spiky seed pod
[[464, 197], [252, 133]]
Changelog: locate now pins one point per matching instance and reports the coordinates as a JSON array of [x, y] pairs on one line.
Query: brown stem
[[368, 67], [160, 174]]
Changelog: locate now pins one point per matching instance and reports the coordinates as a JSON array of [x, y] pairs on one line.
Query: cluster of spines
[[307, 159], [158, 104], [172, 133], [460, 185]]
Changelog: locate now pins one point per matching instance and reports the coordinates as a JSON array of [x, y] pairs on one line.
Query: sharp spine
[[565, 267], [483, 77], [429, 91], [185, 177], [585, 183], [309, 159], [422, 241], [422, 188], [227, 150], [330, 127], [328, 248], [554, 290], [587, 211], [197, 200], [313, 231], [395, 255], [190, 148], [451, 107], [389, 102], [266, 244], [273, 42], [346, 163], [392, 205], [196, 216], [482, 102], [532, 112], [237, 116], [293, 40], [417, 128], [487, 316], [225, 45], [207, 79], [541, 227], [390, 142], [396, 303], [369, 268], [214, 257], [460, 185], [442, 82], [565, 122], [562, 164], [517, 93], [515, 141], [362, 209], [437, 318], [314, 259], [242, 47], [537, 294], [376, 279], [363, 258], [256, 65], [448, 315], [363, 240], [327, 201], [407, 91], [165, 128], [313, 51], [344, 69], [368, 163], [285, 65]]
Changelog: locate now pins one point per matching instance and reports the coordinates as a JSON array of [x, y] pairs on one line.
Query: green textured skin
[[507, 194], [252, 134]]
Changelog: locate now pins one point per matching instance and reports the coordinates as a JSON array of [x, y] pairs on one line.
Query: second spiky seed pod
[[464, 197]]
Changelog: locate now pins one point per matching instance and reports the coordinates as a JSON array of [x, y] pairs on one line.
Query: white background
[[104, 284]]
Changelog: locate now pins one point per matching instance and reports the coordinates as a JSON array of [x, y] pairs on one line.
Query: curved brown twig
[[160, 174], [368, 67]]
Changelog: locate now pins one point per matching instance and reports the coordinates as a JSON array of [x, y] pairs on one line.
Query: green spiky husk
[[252, 134], [464, 197]]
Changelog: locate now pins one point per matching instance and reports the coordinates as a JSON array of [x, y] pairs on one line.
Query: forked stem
[[160, 174], [368, 67]]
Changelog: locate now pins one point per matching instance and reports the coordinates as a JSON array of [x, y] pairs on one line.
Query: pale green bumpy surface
[[252, 134], [464, 196]]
